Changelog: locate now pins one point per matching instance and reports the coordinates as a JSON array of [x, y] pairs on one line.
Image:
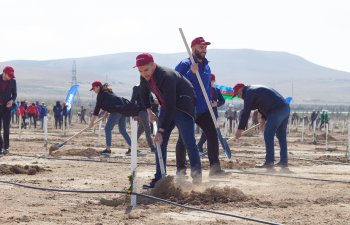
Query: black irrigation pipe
[[142, 195], [293, 177], [241, 172]]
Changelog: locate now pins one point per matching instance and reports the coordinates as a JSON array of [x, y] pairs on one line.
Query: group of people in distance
[[182, 104]]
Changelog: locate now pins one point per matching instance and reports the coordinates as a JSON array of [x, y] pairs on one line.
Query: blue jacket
[[262, 98], [184, 68]]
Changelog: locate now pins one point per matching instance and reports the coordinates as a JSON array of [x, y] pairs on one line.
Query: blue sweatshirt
[[184, 68]]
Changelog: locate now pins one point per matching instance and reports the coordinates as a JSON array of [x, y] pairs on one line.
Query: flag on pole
[[225, 91], [70, 96]]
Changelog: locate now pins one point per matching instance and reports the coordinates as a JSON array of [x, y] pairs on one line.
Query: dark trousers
[[5, 119], [205, 122], [58, 121]]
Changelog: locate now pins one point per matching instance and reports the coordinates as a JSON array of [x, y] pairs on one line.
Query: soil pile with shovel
[[17, 169]]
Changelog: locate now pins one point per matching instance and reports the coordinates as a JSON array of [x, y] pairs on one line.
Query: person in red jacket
[[33, 114], [21, 111]]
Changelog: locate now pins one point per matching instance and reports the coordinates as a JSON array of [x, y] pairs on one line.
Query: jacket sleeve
[[245, 113], [135, 91], [168, 88], [184, 68], [220, 98], [13, 90], [144, 93], [98, 105]]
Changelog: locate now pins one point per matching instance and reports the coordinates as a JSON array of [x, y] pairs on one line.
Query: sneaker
[[197, 180], [265, 165], [151, 184], [106, 151], [217, 171], [280, 164], [128, 152], [4, 151]]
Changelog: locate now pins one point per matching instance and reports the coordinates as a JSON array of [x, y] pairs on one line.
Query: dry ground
[[271, 197]]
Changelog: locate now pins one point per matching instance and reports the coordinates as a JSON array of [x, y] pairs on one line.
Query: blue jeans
[[112, 120], [185, 124], [276, 124]]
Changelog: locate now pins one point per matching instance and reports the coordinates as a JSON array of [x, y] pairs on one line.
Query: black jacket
[[175, 90], [259, 97], [8, 90], [111, 103]]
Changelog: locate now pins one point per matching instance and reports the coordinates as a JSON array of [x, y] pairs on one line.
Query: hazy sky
[[317, 30]]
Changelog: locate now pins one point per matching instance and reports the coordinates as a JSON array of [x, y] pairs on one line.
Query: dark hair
[[106, 87]]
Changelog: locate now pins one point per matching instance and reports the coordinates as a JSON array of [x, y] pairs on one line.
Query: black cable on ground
[[142, 195], [293, 177]]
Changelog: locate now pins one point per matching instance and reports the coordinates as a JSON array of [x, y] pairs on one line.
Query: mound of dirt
[[342, 159], [17, 169], [88, 152], [167, 189], [323, 137], [238, 164]]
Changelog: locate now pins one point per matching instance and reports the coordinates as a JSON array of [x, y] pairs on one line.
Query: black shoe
[[280, 164], [265, 165], [181, 174], [151, 184], [215, 170], [128, 152], [4, 151], [106, 151]]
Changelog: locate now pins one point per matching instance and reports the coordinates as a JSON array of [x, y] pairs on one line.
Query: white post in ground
[[302, 130], [159, 152], [225, 130], [326, 136], [99, 133], [349, 140], [46, 153], [20, 126], [133, 158], [314, 132]]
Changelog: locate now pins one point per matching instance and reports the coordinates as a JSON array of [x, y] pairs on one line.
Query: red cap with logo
[[9, 71], [199, 41], [236, 88], [96, 83], [143, 59]]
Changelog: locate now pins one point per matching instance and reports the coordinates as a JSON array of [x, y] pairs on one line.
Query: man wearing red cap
[[203, 117], [216, 100], [274, 110], [177, 100], [8, 95]]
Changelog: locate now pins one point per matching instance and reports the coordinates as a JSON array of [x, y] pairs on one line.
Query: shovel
[[55, 147]]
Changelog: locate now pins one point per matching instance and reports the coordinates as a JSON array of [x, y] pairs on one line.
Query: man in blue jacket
[[274, 112], [203, 117]]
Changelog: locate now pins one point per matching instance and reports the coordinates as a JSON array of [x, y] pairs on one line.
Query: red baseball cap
[[96, 83], [9, 71], [143, 59], [212, 77], [199, 41], [236, 88]]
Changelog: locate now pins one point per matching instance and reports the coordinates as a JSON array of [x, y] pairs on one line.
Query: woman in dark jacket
[[117, 108]]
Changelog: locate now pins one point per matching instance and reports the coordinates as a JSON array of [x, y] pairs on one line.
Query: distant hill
[[292, 75]]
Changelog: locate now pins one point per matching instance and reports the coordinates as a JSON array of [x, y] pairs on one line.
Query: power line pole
[[74, 82]]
